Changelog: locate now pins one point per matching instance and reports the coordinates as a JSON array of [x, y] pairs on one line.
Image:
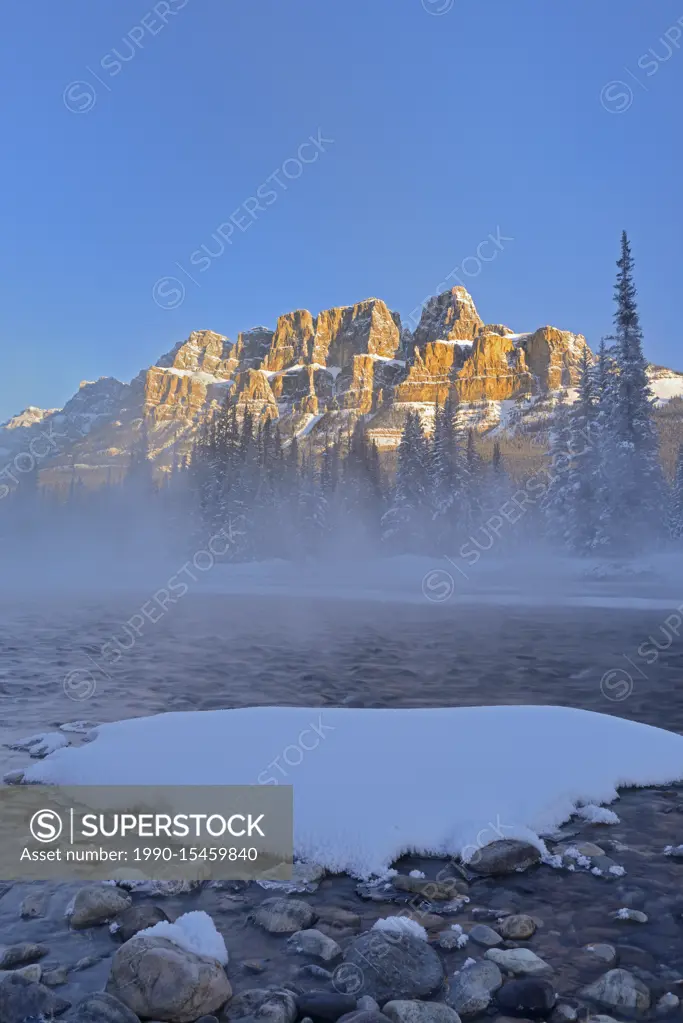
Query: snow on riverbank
[[370, 785]]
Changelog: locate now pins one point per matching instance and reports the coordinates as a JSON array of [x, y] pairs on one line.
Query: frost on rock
[[193, 932], [401, 925], [78, 727], [462, 938], [553, 860], [416, 873], [635, 915], [674, 850], [597, 814], [468, 962], [40, 745]]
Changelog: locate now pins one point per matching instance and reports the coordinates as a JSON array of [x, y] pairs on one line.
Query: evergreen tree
[[583, 512], [361, 491], [676, 499], [632, 480], [497, 460], [555, 502], [405, 523], [450, 478]]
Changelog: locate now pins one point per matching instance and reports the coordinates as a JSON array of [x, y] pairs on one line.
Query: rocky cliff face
[[316, 376]]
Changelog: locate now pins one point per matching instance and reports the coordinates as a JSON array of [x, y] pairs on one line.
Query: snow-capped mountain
[[317, 376]]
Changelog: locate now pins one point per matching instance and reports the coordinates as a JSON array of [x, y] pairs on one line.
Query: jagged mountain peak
[[317, 375], [452, 315]]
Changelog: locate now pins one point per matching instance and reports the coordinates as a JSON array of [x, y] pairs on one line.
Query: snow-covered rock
[[157, 979]]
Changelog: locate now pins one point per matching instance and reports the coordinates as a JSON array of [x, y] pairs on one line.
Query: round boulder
[[392, 966], [517, 927], [420, 1012], [471, 989], [283, 916], [528, 998], [102, 1008], [96, 904], [158, 980], [270, 1004]]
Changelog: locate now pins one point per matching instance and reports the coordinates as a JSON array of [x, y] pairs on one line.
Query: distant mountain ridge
[[316, 375]]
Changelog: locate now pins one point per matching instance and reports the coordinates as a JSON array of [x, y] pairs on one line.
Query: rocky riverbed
[[597, 930]]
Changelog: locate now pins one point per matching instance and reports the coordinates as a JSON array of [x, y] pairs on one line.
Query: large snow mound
[[370, 785]]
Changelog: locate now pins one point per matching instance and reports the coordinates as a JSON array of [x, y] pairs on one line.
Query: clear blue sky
[[447, 127]]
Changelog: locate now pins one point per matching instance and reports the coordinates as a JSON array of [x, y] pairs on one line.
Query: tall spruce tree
[[630, 465], [449, 478], [583, 520], [555, 501], [405, 523]]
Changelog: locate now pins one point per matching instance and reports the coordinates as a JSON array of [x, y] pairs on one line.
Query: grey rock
[[482, 913], [605, 864], [26, 952], [336, 921], [485, 935], [85, 963], [521, 962], [34, 905], [160, 980], [55, 977], [564, 1013], [207, 1019], [271, 1005], [619, 989], [603, 952], [322, 1007], [530, 997], [511, 1019], [441, 891], [390, 966], [367, 1004], [21, 999], [102, 1008], [364, 1016], [96, 904], [314, 943], [255, 965], [283, 916], [589, 849], [137, 918], [313, 970], [667, 1003], [420, 1012], [517, 927], [504, 857], [635, 916], [471, 989], [32, 972]]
